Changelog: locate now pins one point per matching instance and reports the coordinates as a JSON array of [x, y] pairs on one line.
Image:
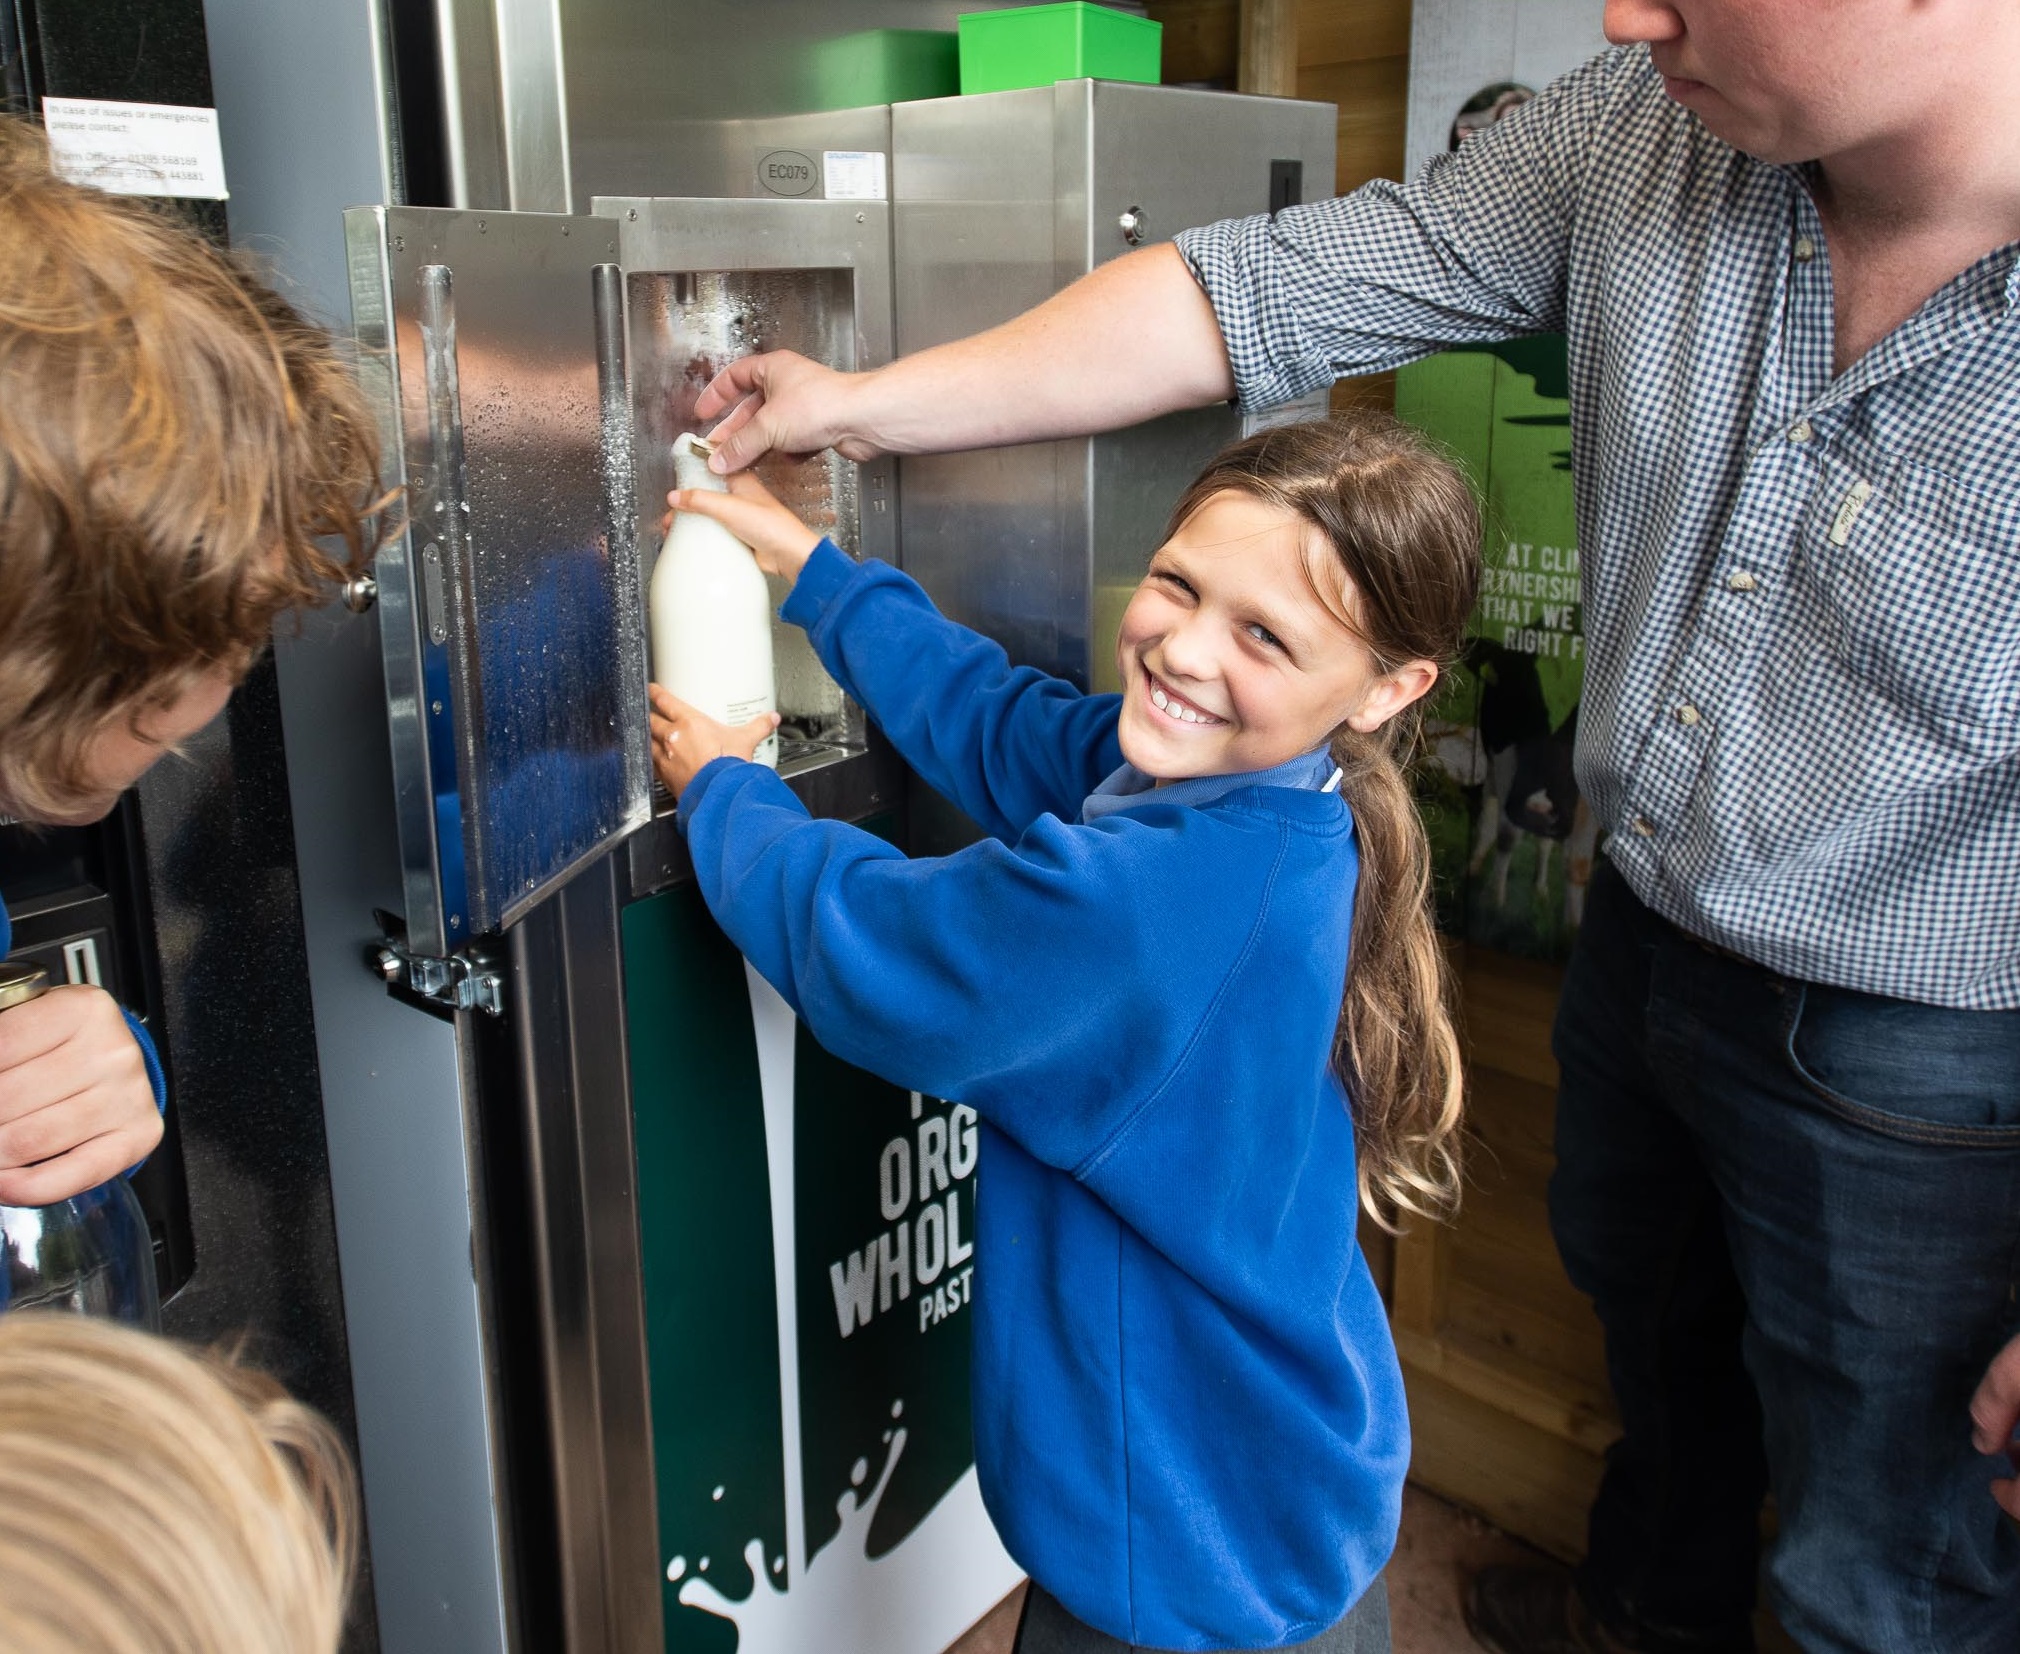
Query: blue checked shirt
[[1801, 590]]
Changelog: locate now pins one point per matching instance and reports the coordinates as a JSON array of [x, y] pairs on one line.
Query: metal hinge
[[469, 979]]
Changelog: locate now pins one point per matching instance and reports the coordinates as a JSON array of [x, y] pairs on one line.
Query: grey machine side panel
[[972, 226], [1173, 158], [399, 1136], [1000, 201], [639, 74]]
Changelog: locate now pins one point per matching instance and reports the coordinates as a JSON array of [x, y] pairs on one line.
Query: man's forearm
[[1134, 339]]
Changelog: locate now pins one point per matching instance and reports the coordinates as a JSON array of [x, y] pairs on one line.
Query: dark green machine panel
[[705, 1225], [881, 1233]]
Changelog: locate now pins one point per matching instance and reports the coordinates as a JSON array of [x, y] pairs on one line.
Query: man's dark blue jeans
[[1797, 1211]]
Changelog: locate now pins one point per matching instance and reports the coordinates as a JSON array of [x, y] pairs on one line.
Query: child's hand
[[779, 540], [76, 1108], [683, 740]]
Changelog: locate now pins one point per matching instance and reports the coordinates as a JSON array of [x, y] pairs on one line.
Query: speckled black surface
[[238, 1035]]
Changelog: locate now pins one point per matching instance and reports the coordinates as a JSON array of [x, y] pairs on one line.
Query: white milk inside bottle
[[711, 612]]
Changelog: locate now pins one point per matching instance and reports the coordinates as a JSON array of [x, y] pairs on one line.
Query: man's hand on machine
[[1995, 1414], [684, 740], [779, 541], [782, 402], [76, 1107]]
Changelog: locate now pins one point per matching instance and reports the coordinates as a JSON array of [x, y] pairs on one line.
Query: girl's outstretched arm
[[989, 975], [1006, 743], [779, 541]]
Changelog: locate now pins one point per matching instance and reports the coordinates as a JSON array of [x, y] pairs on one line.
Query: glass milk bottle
[[91, 1253], [712, 612]]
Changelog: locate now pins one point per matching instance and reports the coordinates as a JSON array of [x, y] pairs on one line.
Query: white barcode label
[[855, 174]]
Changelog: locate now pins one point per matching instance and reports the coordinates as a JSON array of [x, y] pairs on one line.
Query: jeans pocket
[[1918, 1073]]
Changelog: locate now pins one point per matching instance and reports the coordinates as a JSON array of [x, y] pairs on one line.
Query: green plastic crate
[[884, 66], [1036, 45]]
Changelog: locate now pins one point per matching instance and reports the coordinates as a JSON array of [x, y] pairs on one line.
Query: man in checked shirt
[[1781, 238]]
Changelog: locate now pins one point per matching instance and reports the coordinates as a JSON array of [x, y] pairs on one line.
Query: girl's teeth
[[1166, 703]]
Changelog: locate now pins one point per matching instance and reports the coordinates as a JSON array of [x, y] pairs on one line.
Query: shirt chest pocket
[[1919, 575]]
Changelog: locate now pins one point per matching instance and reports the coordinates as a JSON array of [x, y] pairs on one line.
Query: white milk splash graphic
[[941, 1578], [915, 1599]]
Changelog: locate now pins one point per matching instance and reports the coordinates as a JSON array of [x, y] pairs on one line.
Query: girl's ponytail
[[1396, 1050]]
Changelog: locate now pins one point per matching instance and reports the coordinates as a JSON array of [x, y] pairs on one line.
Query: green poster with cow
[[1512, 838]]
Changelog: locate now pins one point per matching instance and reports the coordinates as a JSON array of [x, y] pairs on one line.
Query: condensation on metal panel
[[510, 451]]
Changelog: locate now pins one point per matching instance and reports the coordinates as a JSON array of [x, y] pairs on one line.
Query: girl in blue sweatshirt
[[1190, 984]]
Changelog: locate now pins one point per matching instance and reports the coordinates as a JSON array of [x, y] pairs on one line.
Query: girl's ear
[[1391, 692]]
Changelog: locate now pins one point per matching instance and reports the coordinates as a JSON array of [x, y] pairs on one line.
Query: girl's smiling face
[[1236, 653]]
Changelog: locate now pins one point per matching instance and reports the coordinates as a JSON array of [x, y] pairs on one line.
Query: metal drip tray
[[798, 755]]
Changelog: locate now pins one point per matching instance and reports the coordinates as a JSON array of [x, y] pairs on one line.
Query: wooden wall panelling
[[1267, 63], [1502, 1356], [1372, 95], [1351, 52], [1337, 31], [1202, 40], [1356, 54], [1509, 1004], [1526, 1480]]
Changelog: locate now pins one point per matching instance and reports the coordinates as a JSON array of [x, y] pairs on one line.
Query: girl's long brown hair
[[1406, 529]]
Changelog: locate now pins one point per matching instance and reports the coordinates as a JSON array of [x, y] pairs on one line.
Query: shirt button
[[1806, 249], [1687, 715], [1740, 581], [1801, 431], [1641, 827]]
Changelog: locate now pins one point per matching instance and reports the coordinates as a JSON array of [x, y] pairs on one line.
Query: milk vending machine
[[657, 1311], [708, 1190]]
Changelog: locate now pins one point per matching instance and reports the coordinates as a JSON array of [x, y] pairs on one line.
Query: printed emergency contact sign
[[137, 148]]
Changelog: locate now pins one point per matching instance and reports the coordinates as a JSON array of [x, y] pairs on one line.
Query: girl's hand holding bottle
[[779, 540], [684, 740]]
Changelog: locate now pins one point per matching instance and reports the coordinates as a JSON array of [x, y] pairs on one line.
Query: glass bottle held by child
[[91, 1253], [711, 612]]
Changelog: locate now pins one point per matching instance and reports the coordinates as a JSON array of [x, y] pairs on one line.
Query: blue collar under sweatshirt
[[1128, 785]]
